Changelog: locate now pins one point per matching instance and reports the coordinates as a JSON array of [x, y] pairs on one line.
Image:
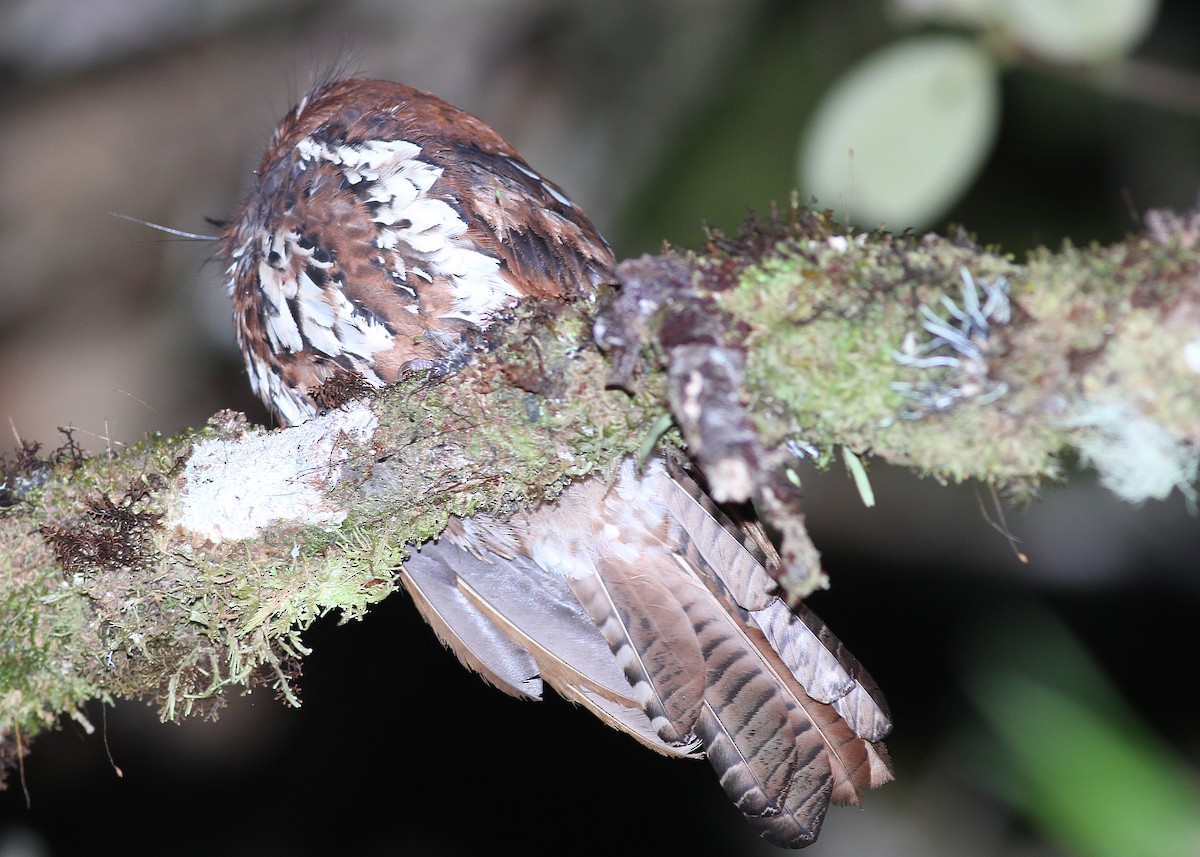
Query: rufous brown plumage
[[382, 228]]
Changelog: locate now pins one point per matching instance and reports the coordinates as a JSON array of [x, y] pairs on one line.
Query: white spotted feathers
[[382, 230], [382, 226]]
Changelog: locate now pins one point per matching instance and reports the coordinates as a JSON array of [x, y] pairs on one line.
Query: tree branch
[[185, 566]]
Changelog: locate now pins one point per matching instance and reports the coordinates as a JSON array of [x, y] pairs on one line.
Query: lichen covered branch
[[187, 566]]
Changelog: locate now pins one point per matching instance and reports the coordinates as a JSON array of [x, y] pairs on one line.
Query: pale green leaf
[[1078, 31], [899, 139]]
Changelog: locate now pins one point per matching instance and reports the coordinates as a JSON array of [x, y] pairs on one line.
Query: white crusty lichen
[[232, 489], [1137, 458]]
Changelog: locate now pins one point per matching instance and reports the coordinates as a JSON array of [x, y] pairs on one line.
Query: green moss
[[821, 319], [39, 647], [826, 319], [824, 325]]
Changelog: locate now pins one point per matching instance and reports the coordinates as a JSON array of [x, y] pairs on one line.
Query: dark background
[[654, 115]]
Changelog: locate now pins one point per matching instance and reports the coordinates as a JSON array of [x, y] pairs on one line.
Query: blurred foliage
[[904, 133], [737, 148], [1079, 150], [889, 126], [1073, 756]]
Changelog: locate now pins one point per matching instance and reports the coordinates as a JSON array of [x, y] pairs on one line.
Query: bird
[[381, 231]]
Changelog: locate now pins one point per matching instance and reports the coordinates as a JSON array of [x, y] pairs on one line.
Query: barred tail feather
[[637, 600], [818, 659]]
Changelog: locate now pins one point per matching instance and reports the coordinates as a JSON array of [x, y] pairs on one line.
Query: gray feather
[[535, 626], [430, 579]]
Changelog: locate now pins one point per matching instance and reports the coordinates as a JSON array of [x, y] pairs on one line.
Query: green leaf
[[899, 139], [1078, 31], [1086, 770]]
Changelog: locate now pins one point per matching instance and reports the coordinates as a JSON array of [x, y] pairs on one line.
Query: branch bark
[[187, 566]]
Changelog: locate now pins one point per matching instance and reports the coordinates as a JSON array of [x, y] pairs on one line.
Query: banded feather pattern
[[690, 639], [382, 228]]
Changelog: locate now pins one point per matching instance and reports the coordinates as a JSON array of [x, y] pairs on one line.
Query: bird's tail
[[634, 599]]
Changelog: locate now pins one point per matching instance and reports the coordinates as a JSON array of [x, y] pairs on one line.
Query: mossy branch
[[183, 567]]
